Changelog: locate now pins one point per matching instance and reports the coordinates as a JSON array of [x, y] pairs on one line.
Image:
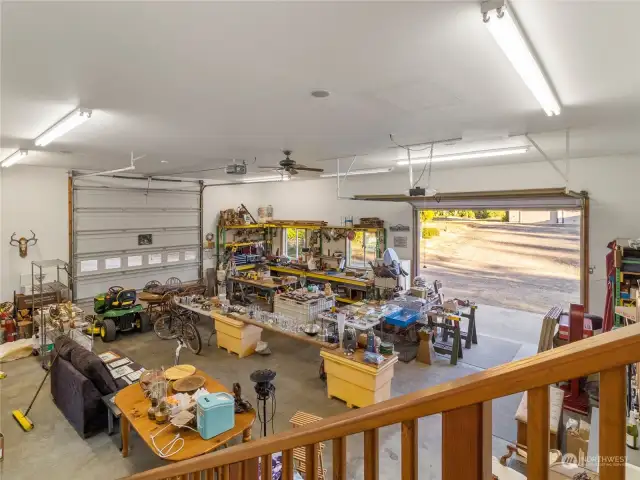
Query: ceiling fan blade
[[309, 169]]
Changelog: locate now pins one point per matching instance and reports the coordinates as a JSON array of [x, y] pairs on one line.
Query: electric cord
[[348, 170], [167, 450], [406, 147], [428, 162]]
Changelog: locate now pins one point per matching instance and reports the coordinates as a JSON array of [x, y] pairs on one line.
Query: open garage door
[[547, 199], [127, 235]]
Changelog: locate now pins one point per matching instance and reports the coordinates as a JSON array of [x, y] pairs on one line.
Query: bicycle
[[179, 325]]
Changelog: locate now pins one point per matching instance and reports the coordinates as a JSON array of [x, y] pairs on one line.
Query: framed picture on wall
[[145, 239]]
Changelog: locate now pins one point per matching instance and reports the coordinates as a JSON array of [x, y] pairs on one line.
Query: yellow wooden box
[[236, 336], [357, 383]]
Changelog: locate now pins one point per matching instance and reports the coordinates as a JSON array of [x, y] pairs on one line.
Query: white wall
[[610, 181], [36, 198], [32, 198]]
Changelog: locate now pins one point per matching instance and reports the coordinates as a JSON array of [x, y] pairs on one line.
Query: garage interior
[[199, 195]]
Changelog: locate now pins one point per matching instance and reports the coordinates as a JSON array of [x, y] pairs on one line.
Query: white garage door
[[128, 236]]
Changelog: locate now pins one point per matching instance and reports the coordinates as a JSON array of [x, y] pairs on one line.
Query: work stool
[[299, 455], [450, 326]]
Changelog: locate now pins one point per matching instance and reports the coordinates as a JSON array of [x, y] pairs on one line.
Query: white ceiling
[[197, 84]]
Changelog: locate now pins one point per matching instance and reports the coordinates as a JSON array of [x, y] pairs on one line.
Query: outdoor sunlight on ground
[[527, 267]]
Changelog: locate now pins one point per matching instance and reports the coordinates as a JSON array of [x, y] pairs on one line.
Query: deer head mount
[[22, 243]]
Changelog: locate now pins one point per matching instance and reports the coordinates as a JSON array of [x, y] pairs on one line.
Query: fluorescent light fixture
[[274, 178], [368, 171], [507, 33], [498, 152], [14, 158], [71, 121]]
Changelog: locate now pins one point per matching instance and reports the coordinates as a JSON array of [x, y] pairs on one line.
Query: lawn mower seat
[[125, 299]]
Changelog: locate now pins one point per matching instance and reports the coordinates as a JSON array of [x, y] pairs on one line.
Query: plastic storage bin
[[215, 414], [402, 318]]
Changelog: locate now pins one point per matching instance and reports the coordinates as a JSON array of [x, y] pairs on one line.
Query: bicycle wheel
[[192, 337], [165, 327]]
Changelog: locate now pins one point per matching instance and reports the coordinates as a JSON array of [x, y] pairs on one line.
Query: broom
[[21, 418]]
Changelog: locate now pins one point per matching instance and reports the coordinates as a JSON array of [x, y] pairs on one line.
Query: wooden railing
[[465, 405]]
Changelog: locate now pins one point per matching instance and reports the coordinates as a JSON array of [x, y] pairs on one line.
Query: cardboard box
[[25, 302], [577, 441]]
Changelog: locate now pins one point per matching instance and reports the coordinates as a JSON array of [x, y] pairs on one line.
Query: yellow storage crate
[[235, 336]]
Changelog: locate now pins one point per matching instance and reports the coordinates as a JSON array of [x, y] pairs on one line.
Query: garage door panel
[[107, 222], [91, 221], [129, 241], [119, 198], [88, 287]]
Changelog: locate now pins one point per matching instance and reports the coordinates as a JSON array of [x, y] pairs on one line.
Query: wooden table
[[356, 382], [134, 406]]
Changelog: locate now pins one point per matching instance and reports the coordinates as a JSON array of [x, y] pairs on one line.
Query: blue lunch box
[[215, 414]]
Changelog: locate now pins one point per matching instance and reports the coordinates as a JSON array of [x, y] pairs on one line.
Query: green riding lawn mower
[[117, 311]]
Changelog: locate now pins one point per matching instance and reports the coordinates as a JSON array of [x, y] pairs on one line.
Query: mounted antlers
[[22, 243]]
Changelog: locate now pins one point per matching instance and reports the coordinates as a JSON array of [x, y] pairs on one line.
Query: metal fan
[[291, 167]]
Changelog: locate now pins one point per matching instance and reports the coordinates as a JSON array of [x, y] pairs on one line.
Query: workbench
[[320, 275], [237, 318], [356, 382], [264, 284]]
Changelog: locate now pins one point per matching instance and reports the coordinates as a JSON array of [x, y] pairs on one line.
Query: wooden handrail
[[603, 352]]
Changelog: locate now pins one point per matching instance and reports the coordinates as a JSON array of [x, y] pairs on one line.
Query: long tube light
[[71, 121], [499, 152], [368, 171], [14, 158], [274, 178], [507, 33]]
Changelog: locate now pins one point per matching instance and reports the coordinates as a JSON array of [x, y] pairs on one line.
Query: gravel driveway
[[527, 267]]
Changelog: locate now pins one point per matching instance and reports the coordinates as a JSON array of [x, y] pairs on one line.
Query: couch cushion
[[64, 346], [90, 365]]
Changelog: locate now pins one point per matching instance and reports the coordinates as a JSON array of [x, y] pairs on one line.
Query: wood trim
[[339, 459], [371, 454], [287, 464], [462, 443], [613, 416], [538, 433], [591, 355], [409, 441], [266, 470], [311, 461], [584, 254]]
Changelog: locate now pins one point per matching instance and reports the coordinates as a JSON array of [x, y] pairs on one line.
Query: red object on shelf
[[9, 330], [575, 399]]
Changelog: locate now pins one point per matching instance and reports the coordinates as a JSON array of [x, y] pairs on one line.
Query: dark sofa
[[79, 380]]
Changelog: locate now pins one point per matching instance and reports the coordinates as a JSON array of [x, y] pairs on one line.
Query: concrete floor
[[55, 451]]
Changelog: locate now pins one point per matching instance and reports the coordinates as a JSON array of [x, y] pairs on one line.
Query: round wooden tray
[[179, 371], [188, 384]]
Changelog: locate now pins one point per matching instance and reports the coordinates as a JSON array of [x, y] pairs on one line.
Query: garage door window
[[134, 261], [173, 257], [89, 265], [112, 263], [155, 258]]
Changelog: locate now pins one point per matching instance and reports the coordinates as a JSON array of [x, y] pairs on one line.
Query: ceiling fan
[[291, 167]]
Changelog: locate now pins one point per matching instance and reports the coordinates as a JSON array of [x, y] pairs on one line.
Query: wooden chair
[[173, 282], [299, 454], [152, 284]]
